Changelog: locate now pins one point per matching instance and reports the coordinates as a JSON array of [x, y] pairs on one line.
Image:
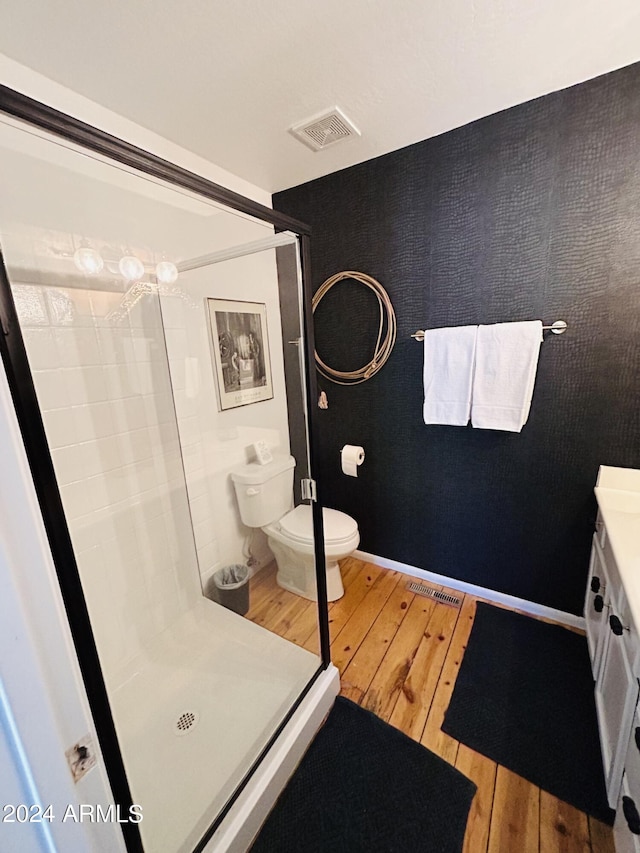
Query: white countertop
[[618, 496]]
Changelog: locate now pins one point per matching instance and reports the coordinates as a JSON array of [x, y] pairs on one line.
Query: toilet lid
[[298, 525]]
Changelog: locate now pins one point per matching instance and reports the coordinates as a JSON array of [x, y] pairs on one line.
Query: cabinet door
[[616, 698], [626, 840], [627, 825], [596, 609]]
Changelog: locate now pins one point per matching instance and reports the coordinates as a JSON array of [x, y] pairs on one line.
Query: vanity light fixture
[[131, 268], [88, 261], [166, 272]]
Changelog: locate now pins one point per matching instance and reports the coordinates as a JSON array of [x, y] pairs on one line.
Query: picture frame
[[240, 351]]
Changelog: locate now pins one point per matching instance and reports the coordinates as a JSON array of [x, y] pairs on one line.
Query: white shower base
[[231, 682]]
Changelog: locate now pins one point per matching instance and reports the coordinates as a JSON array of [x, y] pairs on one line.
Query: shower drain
[[185, 722]]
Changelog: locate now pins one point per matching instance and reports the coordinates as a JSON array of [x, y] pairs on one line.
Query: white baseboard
[[240, 826], [480, 591]]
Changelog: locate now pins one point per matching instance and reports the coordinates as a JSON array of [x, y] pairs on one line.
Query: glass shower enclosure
[[157, 339]]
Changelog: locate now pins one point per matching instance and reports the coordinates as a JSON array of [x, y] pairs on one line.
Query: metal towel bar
[[557, 328]]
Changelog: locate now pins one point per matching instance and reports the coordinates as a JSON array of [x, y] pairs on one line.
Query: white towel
[[448, 374], [506, 364]]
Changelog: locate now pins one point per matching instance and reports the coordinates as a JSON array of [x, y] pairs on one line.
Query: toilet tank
[[264, 492]]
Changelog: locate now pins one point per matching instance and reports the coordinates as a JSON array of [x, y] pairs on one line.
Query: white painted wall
[[213, 441]]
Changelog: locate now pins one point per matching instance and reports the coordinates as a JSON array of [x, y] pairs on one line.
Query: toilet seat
[[297, 525]]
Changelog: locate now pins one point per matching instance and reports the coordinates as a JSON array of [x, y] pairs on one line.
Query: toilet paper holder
[[341, 449], [351, 458]]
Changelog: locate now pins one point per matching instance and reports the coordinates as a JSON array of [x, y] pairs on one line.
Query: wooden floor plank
[[304, 623], [366, 661], [389, 680], [261, 594], [601, 837], [433, 737], [279, 618], [349, 569], [267, 610], [265, 575], [563, 828], [482, 771], [415, 698], [515, 817], [346, 643], [344, 607], [358, 579], [261, 586]]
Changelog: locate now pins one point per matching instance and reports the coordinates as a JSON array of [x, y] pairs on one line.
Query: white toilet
[[265, 499]]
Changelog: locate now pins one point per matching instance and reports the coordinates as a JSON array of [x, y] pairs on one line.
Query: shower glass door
[[163, 334]]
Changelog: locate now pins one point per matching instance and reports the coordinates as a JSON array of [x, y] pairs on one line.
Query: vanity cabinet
[[627, 826], [596, 608], [612, 639], [614, 648]]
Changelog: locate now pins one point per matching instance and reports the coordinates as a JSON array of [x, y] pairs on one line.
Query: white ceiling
[[227, 79]]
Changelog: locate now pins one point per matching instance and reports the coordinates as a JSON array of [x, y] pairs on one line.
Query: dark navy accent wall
[[530, 213]]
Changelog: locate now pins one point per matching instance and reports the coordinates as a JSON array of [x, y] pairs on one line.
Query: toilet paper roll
[[351, 456]]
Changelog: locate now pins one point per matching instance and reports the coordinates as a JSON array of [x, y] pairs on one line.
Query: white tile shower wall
[[106, 398], [214, 442]]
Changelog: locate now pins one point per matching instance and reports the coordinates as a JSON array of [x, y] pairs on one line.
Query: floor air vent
[[185, 722], [436, 594]]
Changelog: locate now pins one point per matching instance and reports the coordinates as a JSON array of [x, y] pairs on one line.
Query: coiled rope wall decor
[[383, 345]]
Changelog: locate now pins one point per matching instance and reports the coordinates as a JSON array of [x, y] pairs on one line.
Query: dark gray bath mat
[[524, 698], [365, 787]]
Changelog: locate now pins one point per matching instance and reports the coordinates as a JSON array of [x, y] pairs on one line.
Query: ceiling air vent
[[327, 128]]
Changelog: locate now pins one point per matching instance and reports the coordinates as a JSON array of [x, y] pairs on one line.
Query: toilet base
[[308, 590], [297, 572]]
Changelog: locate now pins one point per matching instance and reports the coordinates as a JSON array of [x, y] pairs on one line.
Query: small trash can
[[230, 587]]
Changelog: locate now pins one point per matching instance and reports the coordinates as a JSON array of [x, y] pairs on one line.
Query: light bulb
[[166, 272], [88, 260], [131, 268]]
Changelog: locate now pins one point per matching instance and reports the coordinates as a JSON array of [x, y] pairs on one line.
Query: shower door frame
[[25, 401]]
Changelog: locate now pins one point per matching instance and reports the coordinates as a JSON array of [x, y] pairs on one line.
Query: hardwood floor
[[399, 656]]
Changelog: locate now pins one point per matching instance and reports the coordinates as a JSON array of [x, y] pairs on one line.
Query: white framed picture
[[240, 348]]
